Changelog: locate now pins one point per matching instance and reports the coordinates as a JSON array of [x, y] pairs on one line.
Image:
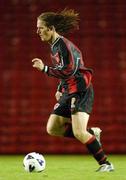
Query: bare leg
[[61, 126], [79, 123], [56, 125]]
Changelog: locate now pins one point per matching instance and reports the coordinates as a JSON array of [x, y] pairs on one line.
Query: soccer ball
[[34, 162]]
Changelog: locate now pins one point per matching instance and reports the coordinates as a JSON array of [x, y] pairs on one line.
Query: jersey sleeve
[[65, 67]]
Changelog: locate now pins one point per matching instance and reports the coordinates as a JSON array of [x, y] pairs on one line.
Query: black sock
[[68, 131], [90, 131], [96, 150]]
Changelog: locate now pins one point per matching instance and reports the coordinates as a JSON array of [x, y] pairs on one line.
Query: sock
[[96, 150], [90, 131], [68, 131]]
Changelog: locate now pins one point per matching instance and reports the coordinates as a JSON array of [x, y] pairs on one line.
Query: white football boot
[[97, 132], [105, 168]]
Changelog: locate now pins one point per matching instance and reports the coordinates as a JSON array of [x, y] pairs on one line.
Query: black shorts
[[76, 102]]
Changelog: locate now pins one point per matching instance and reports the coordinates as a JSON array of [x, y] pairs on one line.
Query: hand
[[58, 95], [38, 63]]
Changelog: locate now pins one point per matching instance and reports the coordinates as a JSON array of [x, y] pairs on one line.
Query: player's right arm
[[66, 66]]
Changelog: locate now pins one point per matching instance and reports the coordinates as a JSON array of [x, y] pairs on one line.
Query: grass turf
[[62, 167]]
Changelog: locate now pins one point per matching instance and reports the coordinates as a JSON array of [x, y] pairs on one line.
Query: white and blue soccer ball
[[34, 162]]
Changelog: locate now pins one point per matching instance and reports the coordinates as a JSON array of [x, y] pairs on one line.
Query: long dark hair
[[63, 21]]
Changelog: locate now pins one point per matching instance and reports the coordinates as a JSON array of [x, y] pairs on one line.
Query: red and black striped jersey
[[68, 66]]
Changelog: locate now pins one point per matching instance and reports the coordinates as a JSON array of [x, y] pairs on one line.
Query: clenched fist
[[38, 63]]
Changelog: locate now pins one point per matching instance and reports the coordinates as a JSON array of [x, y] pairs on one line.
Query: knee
[[79, 134], [53, 131], [50, 131], [55, 126]]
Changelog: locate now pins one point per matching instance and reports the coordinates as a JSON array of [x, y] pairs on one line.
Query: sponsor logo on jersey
[[56, 106]]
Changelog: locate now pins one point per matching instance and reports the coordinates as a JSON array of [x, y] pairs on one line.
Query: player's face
[[43, 31]]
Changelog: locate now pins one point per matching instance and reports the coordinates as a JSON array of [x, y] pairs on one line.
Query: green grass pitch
[[62, 167]]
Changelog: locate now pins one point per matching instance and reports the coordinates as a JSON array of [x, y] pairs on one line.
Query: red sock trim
[[91, 140], [102, 159], [100, 150]]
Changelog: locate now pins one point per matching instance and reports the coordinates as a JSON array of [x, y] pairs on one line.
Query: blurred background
[[27, 96]]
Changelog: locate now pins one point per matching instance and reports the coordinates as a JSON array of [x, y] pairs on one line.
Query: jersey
[[68, 66]]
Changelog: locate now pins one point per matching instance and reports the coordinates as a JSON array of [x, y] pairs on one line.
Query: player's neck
[[54, 37]]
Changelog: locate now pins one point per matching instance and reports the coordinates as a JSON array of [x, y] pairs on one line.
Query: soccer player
[[75, 91]]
